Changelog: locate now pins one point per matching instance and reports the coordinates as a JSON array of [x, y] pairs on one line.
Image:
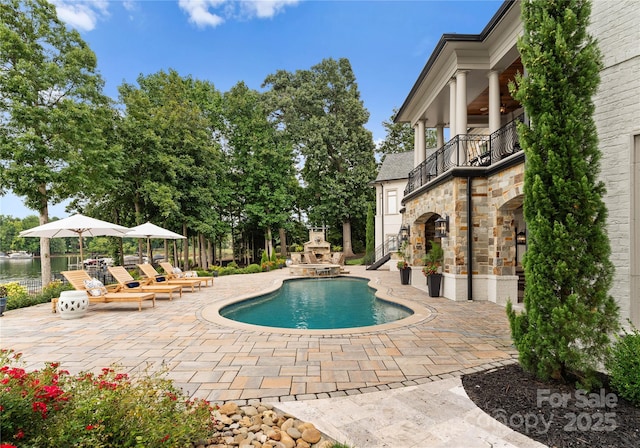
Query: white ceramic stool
[[72, 304]]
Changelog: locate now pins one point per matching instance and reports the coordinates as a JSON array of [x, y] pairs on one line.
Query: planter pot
[[434, 282], [72, 304], [3, 305], [405, 276]]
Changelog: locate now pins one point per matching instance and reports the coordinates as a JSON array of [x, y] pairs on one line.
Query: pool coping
[[211, 313]]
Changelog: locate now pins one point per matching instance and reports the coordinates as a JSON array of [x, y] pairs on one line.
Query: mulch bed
[[555, 414]]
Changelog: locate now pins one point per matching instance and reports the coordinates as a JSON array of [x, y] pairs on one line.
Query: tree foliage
[[55, 123], [324, 117], [569, 314], [400, 137], [261, 162], [175, 174]]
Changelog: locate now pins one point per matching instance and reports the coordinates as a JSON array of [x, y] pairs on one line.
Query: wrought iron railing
[[466, 150], [391, 244]]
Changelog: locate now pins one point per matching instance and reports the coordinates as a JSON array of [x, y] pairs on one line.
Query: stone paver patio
[[219, 362]]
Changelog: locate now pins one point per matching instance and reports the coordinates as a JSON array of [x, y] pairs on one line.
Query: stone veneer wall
[[494, 200], [505, 194]]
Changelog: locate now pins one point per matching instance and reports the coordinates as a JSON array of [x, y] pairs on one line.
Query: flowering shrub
[[268, 265], [15, 294], [51, 408], [430, 268]]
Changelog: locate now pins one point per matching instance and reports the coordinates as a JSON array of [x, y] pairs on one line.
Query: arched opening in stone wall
[[510, 236], [425, 229]]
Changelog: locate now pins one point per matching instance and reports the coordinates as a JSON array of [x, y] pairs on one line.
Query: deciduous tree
[[325, 118], [400, 137], [55, 123], [262, 162]]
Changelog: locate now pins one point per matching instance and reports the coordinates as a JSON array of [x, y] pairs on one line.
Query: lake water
[[23, 269]]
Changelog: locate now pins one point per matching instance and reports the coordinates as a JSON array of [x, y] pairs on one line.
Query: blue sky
[[228, 41]]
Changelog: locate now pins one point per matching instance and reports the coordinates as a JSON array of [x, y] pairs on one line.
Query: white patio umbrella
[[77, 225], [148, 231]]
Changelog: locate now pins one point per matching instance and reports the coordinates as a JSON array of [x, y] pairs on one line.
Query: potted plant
[[432, 261], [403, 265], [3, 299]]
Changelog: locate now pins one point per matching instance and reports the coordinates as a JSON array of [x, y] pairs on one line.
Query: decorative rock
[[294, 433], [228, 408], [225, 420], [305, 425], [246, 422], [325, 444], [287, 424], [311, 435], [258, 425], [267, 420], [286, 440], [274, 435], [249, 411]]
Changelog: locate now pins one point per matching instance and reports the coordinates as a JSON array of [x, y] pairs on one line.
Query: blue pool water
[[317, 304]]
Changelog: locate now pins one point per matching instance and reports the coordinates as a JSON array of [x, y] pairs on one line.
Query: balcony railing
[[466, 150]]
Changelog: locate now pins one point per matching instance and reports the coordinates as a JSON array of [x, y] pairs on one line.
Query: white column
[[421, 142], [439, 136], [459, 157], [494, 101], [416, 145], [461, 102], [452, 108]]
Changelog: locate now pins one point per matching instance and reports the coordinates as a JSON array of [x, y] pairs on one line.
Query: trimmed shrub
[[623, 364], [252, 269]]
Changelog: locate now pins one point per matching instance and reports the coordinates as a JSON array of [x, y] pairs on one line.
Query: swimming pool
[[317, 304]]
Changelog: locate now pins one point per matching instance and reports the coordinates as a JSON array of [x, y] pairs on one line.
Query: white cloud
[[129, 5], [81, 15], [199, 14], [266, 8], [212, 13]]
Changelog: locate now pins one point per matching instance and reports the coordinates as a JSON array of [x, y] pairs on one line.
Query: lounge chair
[[174, 273], [156, 278], [129, 284], [337, 258], [102, 294], [310, 258]]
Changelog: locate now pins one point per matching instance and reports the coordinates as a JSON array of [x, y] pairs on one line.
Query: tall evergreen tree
[[569, 314], [370, 246]]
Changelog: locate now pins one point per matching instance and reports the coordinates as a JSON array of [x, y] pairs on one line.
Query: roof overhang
[[492, 49]]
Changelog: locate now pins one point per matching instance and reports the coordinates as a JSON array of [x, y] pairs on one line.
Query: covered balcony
[[467, 150]]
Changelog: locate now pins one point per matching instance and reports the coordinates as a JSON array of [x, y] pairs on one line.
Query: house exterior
[[475, 179], [390, 185]]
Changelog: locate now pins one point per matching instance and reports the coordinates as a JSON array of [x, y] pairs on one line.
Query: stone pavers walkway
[[222, 362]]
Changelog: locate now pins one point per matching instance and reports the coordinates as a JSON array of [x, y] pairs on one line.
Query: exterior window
[[392, 202]]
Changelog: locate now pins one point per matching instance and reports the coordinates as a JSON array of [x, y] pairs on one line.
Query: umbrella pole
[[81, 264]]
